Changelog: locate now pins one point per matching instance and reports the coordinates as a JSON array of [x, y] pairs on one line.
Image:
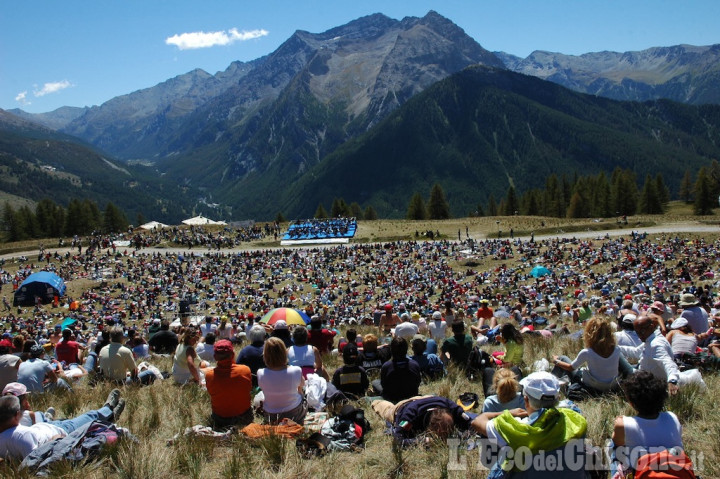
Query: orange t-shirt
[[485, 313], [229, 386]]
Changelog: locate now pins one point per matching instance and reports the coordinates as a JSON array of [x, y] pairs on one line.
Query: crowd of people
[[644, 310], [321, 228]]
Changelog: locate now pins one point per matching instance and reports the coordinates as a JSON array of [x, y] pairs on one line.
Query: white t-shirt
[[663, 432], [602, 369], [437, 329], [280, 389], [18, 442]]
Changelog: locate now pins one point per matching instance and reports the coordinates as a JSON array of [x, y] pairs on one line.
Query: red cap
[[223, 346], [388, 307]]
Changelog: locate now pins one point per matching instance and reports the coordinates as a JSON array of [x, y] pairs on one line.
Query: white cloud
[[52, 87], [194, 40], [22, 98]]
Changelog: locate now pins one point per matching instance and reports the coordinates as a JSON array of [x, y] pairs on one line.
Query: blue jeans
[[69, 425]]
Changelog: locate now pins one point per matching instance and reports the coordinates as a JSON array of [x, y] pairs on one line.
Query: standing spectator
[[229, 386]]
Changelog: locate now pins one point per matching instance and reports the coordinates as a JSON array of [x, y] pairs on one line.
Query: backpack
[[667, 464], [477, 361]]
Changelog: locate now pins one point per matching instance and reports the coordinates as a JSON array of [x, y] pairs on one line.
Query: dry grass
[[155, 414]]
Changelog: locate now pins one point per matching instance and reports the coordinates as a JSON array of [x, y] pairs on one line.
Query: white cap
[[437, 315], [280, 324], [629, 318], [679, 323], [541, 385]]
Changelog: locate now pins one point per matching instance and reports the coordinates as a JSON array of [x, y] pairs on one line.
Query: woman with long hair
[[601, 355], [184, 369], [281, 384]]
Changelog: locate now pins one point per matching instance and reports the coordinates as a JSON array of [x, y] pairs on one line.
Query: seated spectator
[[320, 337], [229, 386], [39, 375], [437, 327], [9, 364], [506, 392], [681, 338], [304, 355], [280, 330], [372, 357], [184, 369], [351, 338], [164, 341], [406, 329], [512, 340], [282, 385], [412, 418], [137, 344], [67, 349], [457, 348], [541, 427], [400, 377], [627, 337], [602, 357], [116, 362], [252, 354], [205, 349], [652, 428], [431, 366], [17, 441], [350, 378]]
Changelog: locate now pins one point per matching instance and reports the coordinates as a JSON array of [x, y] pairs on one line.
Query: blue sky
[[57, 53]]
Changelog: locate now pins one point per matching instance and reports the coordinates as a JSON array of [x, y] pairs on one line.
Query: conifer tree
[[438, 207], [320, 212], [663, 191], [511, 202], [492, 206], [650, 202], [370, 213], [114, 220], [704, 197], [416, 208], [356, 210], [686, 188]]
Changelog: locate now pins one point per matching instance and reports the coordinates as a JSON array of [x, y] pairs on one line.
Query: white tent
[[152, 225], [201, 220]]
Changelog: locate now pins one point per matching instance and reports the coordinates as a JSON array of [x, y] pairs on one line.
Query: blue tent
[[44, 285], [539, 271]]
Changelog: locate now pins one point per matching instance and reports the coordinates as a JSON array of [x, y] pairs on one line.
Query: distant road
[[668, 228]]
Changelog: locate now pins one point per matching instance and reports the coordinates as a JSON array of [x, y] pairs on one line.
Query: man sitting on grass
[[17, 441], [229, 387]]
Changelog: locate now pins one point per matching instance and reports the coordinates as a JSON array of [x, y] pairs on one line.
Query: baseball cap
[[280, 324], [223, 346], [14, 389], [419, 337], [629, 318], [437, 315], [388, 307], [541, 385], [6, 343]]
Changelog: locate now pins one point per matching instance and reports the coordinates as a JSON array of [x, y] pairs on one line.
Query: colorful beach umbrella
[[289, 315]]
